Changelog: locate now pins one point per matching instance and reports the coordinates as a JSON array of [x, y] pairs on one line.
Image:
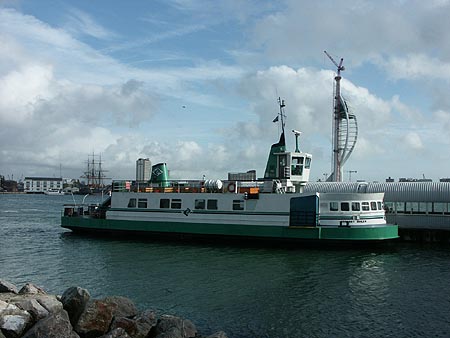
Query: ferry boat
[[274, 207]]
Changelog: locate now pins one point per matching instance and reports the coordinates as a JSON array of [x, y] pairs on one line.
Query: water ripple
[[246, 291]]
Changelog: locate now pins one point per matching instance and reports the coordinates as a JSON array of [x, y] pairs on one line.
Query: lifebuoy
[[231, 187]]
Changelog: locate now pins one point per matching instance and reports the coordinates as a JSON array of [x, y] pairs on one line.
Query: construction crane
[[339, 66], [345, 127]]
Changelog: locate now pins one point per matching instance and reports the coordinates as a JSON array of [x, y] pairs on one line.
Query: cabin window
[[142, 203], [356, 206], [164, 203], [334, 206], [132, 203], [199, 204], [238, 204], [212, 205], [308, 163], [345, 206], [373, 205], [297, 165], [365, 206], [176, 203]]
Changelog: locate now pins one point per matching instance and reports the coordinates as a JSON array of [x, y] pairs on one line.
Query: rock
[[218, 334], [49, 302], [174, 327], [2, 335], [172, 332], [56, 325], [13, 321], [145, 322], [137, 327], [33, 307], [6, 306], [127, 324], [116, 333], [7, 287], [123, 307], [31, 289], [95, 319], [74, 301]]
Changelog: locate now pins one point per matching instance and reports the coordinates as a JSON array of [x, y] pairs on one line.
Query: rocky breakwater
[[32, 313]]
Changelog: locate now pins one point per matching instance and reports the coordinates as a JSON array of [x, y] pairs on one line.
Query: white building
[[39, 185], [143, 170]]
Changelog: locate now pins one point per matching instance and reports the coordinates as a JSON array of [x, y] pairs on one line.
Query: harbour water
[[247, 291]]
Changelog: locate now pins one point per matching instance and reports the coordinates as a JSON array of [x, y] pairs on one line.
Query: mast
[[279, 147], [94, 174], [281, 113], [345, 127]]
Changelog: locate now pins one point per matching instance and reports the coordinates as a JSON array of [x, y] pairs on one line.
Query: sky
[[195, 84]]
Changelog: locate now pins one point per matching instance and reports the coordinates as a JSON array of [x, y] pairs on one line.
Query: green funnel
[[160, 175]]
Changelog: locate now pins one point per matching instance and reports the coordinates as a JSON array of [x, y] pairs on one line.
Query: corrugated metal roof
[[394, 191]]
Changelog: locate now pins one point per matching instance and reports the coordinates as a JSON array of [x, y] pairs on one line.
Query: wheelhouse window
[[212, 205], [365, 206], [199, 204], [164, 203], [345, 206], [308, 163], [334, 206], [297, 165], [142, 203], [238, 204], [356, 206], [132, 203], [176, 203], [373, 206]]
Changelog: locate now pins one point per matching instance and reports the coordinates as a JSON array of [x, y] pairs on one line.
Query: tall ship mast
[[345, 128], [95, 174]]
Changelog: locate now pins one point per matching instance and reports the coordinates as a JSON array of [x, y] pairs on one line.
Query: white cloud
[[413, 141], [62, 98], [81, 22], [416, 67]]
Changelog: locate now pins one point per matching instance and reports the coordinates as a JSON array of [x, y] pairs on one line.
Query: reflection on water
[[248, 291]]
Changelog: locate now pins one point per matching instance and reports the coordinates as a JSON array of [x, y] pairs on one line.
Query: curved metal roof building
[[394, 191]]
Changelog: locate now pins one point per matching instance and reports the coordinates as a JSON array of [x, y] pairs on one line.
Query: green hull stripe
[[275, 232], [234, 212]]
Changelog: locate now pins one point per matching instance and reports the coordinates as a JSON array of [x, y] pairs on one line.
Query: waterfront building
[[143, 170], [39, 185]]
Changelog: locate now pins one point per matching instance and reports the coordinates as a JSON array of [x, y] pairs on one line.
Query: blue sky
[[195, 84]]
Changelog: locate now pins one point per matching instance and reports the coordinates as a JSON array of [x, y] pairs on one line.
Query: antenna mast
[[345, 127], [282, 115]]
